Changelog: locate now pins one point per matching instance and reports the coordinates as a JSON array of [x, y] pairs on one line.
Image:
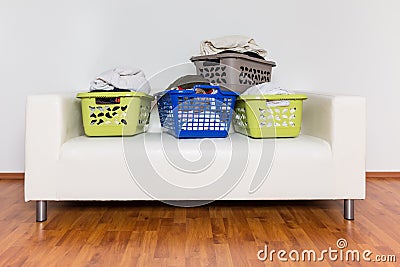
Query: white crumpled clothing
[[267, 88], [237, 43], [120, 78]]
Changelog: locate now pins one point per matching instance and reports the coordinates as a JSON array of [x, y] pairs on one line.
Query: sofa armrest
[[51, 120], [335, 118], [341, 121]]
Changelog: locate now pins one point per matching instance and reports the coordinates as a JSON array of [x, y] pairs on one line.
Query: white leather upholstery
[[327, 161]]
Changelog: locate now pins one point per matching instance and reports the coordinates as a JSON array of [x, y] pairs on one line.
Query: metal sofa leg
[[41, 211], [349, 209]]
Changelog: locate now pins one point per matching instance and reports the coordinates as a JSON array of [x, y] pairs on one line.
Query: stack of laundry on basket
[[234, 62], [233, 84], [118, 103], [192, 108], [238, 64]]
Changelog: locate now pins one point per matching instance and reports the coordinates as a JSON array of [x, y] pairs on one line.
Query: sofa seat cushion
[[157, 165]]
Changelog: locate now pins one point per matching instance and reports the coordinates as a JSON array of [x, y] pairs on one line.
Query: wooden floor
[[219, 234]]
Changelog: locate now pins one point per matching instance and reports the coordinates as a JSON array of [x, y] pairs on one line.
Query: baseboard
[[21, 175], [12, 176], [383, 174]]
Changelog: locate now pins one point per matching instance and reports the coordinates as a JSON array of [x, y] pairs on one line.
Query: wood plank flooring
[[219, 234]]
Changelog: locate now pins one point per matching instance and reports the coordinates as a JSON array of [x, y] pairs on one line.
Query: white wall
[[341, 46]]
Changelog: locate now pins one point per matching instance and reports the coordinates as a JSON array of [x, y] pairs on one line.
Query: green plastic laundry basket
[[115, 113], [268, 116]]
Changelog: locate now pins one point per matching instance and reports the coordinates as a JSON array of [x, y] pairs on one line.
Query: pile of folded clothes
[[234, 62], [233, 43], [120, 80], [269, 88]]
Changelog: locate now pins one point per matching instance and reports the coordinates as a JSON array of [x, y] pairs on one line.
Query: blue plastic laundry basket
[[186, 114]]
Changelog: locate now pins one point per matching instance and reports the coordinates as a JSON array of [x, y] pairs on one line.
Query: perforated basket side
[[102, 115], [196, 115], [257, 119], [165, 111], [235, 73]]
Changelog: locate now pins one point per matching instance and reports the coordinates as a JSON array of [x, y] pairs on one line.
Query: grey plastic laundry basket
[[233, 71]]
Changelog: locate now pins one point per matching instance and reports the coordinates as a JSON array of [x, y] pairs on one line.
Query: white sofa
[[327, 160]]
